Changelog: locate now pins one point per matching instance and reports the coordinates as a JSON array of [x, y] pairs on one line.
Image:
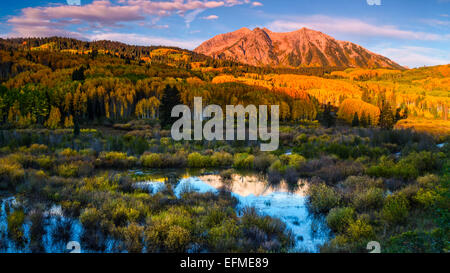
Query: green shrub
[[428, 181], [294, 161], [243, 161], [68, 152], [177, 239], [322, 198], [132, 237], [435, 241], [114, 155], [427, 197], [263, 161], [11, 173], [395, 209], [196, 160], [222, 238], [151, 160], [371, 198], [360, 230], [339, 219], [45, 162], [68, 170], [15, 220], [38, 148], [221, 159]]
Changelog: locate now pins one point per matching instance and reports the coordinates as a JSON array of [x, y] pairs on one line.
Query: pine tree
[[76, 127], [355, 122], [387, 119], [363, 120], [170, 99], [328, 118]]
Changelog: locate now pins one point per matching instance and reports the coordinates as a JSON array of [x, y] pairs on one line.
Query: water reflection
[[254, 191]]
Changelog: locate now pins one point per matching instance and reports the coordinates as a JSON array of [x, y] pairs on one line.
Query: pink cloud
[[333, 26], [101, 14]]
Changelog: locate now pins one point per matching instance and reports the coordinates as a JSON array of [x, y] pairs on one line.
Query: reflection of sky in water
[[53, 218], [291, 208]]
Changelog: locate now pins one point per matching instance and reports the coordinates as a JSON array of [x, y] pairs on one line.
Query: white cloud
[[333, 26], [257, 4], [210, 17], [414, 56], [144, 40]]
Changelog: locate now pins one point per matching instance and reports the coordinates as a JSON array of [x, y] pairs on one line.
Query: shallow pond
[[253, 191]]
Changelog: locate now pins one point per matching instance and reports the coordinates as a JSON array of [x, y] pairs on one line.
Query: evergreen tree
[[329, 120], [387, 119], [76, 127], [78, 74], [363, 120], [355, 122], [170, 99]]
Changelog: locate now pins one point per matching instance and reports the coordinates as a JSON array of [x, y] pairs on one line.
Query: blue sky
[[411, 32]]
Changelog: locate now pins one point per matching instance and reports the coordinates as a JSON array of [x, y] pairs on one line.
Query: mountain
[[301, 48]]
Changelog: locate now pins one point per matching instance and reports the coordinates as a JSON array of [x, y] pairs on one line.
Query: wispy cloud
[[415, 56], [357, 27], [61, 19]]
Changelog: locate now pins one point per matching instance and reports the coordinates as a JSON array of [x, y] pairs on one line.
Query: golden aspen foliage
[[54, 119], [351, 106]]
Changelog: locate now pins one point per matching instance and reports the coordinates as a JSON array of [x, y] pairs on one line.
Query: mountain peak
[[301, 48]]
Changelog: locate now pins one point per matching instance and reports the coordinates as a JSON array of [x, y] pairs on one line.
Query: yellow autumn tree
[[349, 107], [68, 122], [146, 108], [54, 119]]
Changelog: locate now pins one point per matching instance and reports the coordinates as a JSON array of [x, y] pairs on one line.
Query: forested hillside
[[57, 82]]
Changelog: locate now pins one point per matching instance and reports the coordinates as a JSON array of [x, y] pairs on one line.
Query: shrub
[[196, 160], [322, 198], [151, 160], [15, 226], [177, 239], [263, 161], [221, 159], [435, 241], [396, 208], [38, 148], [277, 166], [295, 161], [426, 197], [68, 170], [11, 173], [114, 155], [222, 238], [360, 230], [132, 237], [339, 219], [243, 161], [68, 152], [428, 181], [116, 160], [45, 162], [371, 198]]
